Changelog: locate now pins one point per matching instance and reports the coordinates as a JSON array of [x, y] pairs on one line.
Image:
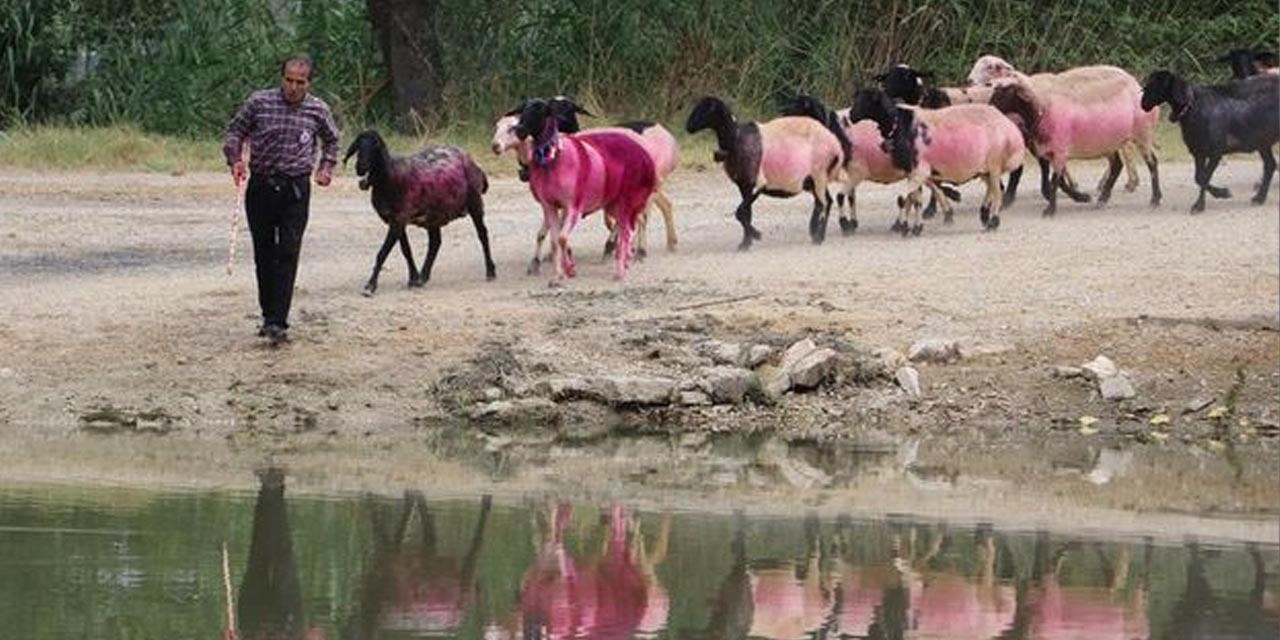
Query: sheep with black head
[[429, 189]]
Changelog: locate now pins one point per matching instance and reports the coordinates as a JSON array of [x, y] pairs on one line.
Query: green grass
[[126, 148]]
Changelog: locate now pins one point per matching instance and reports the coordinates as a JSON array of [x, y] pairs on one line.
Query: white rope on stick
[[226, 585]]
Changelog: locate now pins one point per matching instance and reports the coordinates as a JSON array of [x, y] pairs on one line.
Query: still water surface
[[105, 563]]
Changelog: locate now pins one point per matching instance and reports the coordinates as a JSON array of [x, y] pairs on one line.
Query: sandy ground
[[114, 297]]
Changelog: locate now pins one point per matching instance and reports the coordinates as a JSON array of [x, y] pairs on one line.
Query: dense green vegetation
[[181, 66]]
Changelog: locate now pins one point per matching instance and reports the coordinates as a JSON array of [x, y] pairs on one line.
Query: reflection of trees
[[409, 584]]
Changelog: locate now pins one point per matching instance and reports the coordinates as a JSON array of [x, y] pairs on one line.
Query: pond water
[[110, 563]]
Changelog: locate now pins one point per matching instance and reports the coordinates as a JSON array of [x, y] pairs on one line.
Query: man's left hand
[[324, 175]]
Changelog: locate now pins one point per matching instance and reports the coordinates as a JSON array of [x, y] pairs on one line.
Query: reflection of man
[[270, 602]]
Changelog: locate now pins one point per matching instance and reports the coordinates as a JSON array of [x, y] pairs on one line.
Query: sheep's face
[[1162, 87], [504, 133], [989, 68], [873, 104], [369, 149], [707, 114], [903, 83]]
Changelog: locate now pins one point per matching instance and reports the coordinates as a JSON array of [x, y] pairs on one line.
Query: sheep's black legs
[[743, 214], [1109, 180], [930, 209], [818, 220], [482, 232], [1011, 191], [1205, 166], [407, 250], [1153, 165], [433, 247], [1046, 179], [1052, 208], [393, 236], [848, 224], [1268, 170]]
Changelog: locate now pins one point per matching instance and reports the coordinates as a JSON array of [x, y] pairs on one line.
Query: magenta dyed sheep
[[572, 175], [655, 138], [429, 189]]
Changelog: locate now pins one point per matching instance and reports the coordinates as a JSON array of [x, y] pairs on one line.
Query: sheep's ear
[[879, 77], [351, 150], [925, 75]]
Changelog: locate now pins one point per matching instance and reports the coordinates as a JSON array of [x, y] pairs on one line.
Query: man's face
[[295, 81]]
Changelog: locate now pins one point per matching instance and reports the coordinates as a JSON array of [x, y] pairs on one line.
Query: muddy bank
[[956, 360]]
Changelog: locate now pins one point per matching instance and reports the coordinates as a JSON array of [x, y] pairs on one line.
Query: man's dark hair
[[302, 59]]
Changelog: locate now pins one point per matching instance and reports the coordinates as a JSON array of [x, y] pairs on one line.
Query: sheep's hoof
[[848, 226], [1155, 202], [898, 225], [491, 274], [534, 267], [1220, 193], [1131, 186], [744, 245], [415, 283], [993, 223], [948, 218], [369, 290], [641, 253], [1048, 212], [555, 284], [917, 230], [1198, 207], [755, 234], [1261, 198]]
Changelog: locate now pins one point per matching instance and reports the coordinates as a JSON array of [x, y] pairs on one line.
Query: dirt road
[[114, 301]]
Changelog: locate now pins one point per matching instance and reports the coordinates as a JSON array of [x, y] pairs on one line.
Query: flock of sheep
[[903, 130]]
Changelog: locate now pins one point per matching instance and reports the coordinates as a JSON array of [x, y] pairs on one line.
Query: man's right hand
[[238, 172]]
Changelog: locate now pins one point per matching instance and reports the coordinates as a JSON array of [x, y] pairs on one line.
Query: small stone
[[729, 385], [909, 379], [934, 350], [1218, 412], [493, 394], [1100, 368], [1197, 405], [812, 369], [1067, 372], [730, 353], [694, 399], [758, 355], [1116, 388], [635, 390], [796, 352], [1158, 420]]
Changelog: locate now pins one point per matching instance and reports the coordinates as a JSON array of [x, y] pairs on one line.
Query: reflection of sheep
[[429, 189], [1215, 120], [779, 158]]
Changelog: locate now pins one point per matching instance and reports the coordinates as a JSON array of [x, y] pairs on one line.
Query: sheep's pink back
[[657, 141], [870, 162], [794, 148]]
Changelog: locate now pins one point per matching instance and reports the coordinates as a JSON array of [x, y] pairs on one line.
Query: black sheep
[[1237, 117], [1247, 62], [429, 189]]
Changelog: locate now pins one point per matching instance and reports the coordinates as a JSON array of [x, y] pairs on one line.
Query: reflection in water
[[270, 602], [473, 568], [410, 586], [613, 594]]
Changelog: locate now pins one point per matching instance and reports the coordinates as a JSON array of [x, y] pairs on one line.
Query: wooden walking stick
[[241, 185], [226, 587]]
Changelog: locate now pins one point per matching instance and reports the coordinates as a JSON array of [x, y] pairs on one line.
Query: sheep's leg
[[1011, 191], [393, 236], [1268, 170], [551, 221], [535, 265], [668, 218], [628, 215], [612, 243], [433, 247], [821, 211], [1046, 178], [936, 196], [407, 251], [743, 214], [848, 224], [640, 236], [1217, 192], [568, 265], [1109, 179], [931, 209], [1130, 157], [1052, 208], [990, 211], [1200, 163], [1068, 186], [482, 232], [913, 211], [1153, 165]]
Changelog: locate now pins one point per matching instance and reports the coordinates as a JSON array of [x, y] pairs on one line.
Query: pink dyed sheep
[[654, 137], [573, 175], [991, 69], [779, 158], [953, 144], [1092, 120]]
